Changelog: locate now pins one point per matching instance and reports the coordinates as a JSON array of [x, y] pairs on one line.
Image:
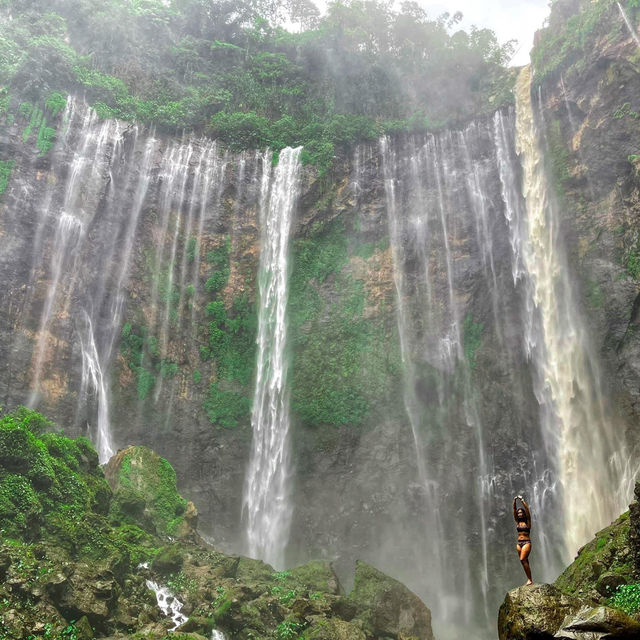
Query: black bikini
[[519, 529]]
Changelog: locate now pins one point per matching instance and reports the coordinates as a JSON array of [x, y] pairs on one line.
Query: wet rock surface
[[534, 613], [600, 623]]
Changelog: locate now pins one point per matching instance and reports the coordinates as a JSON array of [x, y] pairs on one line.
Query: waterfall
[[632, 31], [541, 478], [582, 438], [435, 188], [92, 375], [213, 181], [69, 230], [176, 176], [167, 602], [90, 254], [266, 496]]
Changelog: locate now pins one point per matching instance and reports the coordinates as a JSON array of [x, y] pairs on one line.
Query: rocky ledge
[[83, 556], [596, 598]]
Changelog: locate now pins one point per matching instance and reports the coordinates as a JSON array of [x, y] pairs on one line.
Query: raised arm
[[515, 509], [525, 506]]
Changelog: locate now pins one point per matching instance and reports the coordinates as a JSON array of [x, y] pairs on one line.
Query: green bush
[[248, 82], [226, 408], [627, 598], [43, 475], [6, 167], [472, 339]]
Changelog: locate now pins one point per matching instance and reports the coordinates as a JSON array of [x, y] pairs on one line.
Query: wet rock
[[386, 607], [601, 565], [535, 612], [168, 561], [83, 629], [608, 583], [334, 630], [316, 576], [599, 623]]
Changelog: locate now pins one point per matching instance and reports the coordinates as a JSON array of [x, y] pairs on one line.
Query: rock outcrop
[[386, 607], [535, 612], [94, 567], [584, 603], [599, 623]]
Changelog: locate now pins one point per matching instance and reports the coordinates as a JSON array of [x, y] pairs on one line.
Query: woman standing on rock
[[522, 516]]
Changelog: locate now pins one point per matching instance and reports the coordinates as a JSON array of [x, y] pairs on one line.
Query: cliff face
[[130, 262], [592, 137], [130, 266]]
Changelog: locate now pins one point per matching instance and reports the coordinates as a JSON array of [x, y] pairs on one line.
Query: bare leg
[[524, 560]]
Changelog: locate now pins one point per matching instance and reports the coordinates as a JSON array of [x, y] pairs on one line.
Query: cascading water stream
[[541, 477], [421, 187], [591, 460], [68, 233], [267, 505], [179, 172], [632, 31]]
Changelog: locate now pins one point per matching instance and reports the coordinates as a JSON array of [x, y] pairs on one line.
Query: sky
[[510, 19]]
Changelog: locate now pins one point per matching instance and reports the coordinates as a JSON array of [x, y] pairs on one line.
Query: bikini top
[[520, 529]]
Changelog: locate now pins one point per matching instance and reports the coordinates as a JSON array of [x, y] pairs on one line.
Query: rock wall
[[588, 107]]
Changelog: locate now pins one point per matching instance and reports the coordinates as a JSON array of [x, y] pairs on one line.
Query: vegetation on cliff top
[[227, 68], [574, 30]]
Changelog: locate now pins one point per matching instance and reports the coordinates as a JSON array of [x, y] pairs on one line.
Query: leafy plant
[[288, 630], [6, 167], [627, 598], [472, 338]]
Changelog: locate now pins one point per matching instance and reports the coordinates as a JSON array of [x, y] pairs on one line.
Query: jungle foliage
[[575, 28], [227, 67]]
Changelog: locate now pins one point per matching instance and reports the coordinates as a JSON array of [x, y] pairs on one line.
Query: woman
[[522, 516]]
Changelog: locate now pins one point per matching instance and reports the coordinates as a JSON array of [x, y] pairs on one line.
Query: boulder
[[601, 565], [168, 561], [385, 607], [535, 612], [609, 582], [599, 623], [145, 493]]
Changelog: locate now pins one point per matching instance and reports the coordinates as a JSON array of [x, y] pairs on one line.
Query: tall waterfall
[[436, 193], [632, 32], [581, 437], [266, 496]]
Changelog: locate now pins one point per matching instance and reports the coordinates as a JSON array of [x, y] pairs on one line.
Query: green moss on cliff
[[5, 174], [146, 488], [344, 360], [601, 562], [568, 39], [44, 478], [230, 347]]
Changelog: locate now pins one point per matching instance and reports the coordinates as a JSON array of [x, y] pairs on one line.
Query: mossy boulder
[[146, 493], [315, 576], [45, 477], [168, 561], [385, 607], [535, 612]]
